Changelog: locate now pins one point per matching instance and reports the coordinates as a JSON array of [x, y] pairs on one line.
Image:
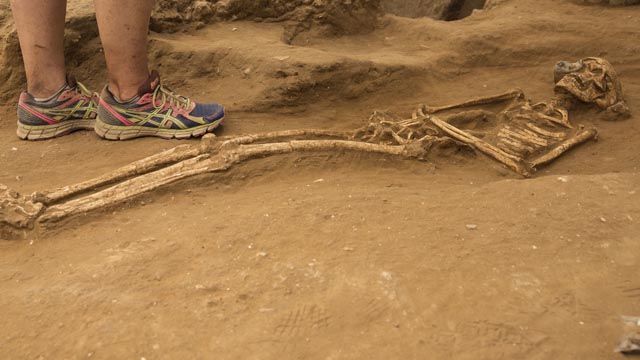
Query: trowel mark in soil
[[374, 310], [632, 293], [630, 290], [302, 321], [502, 338], [569, 303]]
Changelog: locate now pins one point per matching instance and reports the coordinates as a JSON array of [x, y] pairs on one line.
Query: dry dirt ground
[[336, 255]]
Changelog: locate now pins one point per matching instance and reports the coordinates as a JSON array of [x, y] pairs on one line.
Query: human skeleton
[[523, 136]]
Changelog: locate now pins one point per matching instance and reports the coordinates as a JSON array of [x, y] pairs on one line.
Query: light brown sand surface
[[337, 255]]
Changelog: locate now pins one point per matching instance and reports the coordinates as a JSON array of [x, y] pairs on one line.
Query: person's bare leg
[[40, 26], [123, 30]]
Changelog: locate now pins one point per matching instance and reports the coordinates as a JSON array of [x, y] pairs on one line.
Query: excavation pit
[[447, 10]]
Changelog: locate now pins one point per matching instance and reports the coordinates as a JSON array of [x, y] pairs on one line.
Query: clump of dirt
[[11, 70], [331, 17], [8, 42], [173, 15], [4, 13], [490, 4]]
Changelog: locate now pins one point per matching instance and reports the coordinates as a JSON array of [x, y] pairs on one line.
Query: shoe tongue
[[150, 84], [71, 81]]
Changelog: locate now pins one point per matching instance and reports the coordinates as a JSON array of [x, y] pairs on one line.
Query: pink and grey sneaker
[[155, 111], [72, 108]]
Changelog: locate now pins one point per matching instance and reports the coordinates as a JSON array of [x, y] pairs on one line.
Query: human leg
[[40, 26], [53, 104], [123, 29], [135, 103]]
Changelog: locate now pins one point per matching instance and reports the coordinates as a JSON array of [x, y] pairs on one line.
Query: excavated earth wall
[[437, 9], [340, 17], [323, 17]]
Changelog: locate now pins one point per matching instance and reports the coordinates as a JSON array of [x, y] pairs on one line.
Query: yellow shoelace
[[174, 100], [93, 96]]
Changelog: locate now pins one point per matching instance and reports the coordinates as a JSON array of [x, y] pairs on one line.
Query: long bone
[[140, 167], [164, 159], [228, 155], [582, 137], [484, 100]]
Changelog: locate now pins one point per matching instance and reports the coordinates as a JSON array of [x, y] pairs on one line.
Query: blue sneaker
[[72, 108], [155, 111]]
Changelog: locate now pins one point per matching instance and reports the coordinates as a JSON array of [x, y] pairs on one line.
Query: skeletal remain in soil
[[523, 136], [630, 343]]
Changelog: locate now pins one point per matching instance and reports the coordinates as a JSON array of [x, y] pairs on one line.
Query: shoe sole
[[43, 132], [112, 132]]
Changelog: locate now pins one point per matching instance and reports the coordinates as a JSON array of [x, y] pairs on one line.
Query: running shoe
[[72, 108], [155, 111]]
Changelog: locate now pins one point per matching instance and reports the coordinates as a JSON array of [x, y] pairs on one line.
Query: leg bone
[[137, 168], [513, 94], [207, 163]]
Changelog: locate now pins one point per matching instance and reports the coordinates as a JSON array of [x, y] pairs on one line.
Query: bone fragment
[[564, 146], [513, 133], [514, 163], [126, 189], [207, 163], [550, 134], [17, 213], [509, 95], [630, 344], [287, 134], [140, 167], [516, 146]]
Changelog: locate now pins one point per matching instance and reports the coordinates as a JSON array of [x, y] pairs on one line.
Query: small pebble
[[472, 227]]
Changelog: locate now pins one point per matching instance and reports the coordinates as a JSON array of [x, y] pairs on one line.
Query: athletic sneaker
[[155, 111], [72, 108]]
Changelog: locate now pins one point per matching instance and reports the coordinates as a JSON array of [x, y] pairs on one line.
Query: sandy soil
[[337, 256]]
